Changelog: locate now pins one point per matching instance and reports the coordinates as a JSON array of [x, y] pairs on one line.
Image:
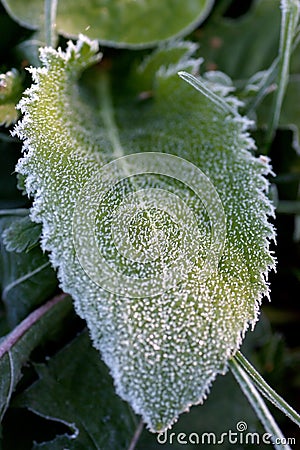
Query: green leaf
[[58, 443], [290, 112], [75, 388], [16, 348], [22, 235], [10, 93], [10, 152], [166, 287], [241, 47], [27, 279], [221, 412], [115, 23]]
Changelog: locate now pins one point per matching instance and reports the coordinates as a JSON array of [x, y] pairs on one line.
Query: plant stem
[[136, 436], [14, 212], [265, 389], [290, 16], [258, 405], [264, 88], [50, 7], [26, 324]]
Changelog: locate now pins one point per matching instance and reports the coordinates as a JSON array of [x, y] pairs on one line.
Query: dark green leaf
[[15, 349], [26, 279], [10, 152], [290, 113], [76, 389], [241, 47], [59, 443]]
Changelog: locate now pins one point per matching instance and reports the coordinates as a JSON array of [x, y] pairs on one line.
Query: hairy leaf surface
[[163, 350]]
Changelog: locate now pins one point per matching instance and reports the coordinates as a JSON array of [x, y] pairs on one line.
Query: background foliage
[[49, 388]]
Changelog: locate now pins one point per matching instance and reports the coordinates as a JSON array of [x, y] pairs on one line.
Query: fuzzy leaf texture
[[163, 350]]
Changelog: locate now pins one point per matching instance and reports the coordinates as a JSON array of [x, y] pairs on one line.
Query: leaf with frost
[[164, 351], [22, 235]]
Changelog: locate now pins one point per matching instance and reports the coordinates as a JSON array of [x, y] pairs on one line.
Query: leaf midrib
[[107, 113], [25, 277]]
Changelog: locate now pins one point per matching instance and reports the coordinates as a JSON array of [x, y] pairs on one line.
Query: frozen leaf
[[221, 412], [22, 235], [183, 217], [116, 23]]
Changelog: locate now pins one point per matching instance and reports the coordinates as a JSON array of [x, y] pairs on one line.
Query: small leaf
[[22, 235], [116, 23], [10, 93], [75, 388], [26, 280], [164, 347]]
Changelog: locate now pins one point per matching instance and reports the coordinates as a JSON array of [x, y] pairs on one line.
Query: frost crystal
[[165, 350]]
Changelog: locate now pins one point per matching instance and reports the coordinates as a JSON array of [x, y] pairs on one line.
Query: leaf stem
[[265, 84], [11, 386], [14, 212], [265, 389], [290, 16], [136, 436], [50, 8], [26, 324], [258, 405]]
